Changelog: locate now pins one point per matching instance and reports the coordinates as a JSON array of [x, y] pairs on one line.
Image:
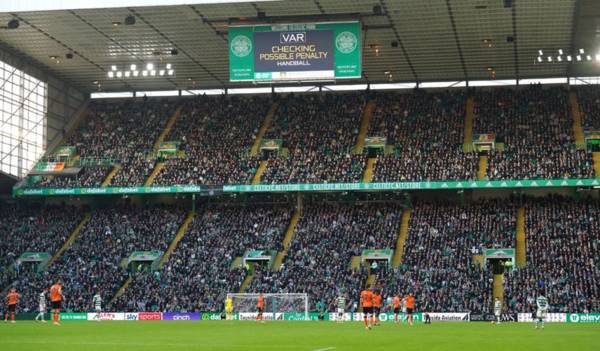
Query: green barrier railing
[[437, 185]]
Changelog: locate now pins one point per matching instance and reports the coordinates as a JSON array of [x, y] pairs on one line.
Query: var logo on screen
[[292, 37]]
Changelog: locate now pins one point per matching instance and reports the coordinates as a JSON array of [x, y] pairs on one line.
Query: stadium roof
[[438, 40]]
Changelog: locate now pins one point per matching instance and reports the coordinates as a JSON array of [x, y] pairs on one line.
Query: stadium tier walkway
[[596, 157], [246, 283], [111, 175], [482, 167], [521, 247], [287, 239], [262, 166], [74, 234], [402, 236], [157, 168], [364, 127], [180, 233], [121, 290], [168, 127], [263, 129], [577, 126], [165, 257], [371, 279], [369, 169], [498, 287], [468, 131]]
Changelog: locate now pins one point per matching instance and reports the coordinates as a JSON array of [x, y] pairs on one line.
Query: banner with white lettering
[[449, 316], [106, 316], [551, 317]]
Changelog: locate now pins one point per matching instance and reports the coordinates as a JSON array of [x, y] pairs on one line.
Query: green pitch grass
[[292, 336]]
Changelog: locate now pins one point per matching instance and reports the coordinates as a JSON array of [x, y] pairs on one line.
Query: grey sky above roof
[[437, 39]]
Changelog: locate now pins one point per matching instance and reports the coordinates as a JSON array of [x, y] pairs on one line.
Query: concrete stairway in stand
[[577, 125], [402, 236], [246, 283], [498, 287], [364, 127], [168, 127], [263, 129], [165, 257], [74, 234], [596, 157], [468, 131], [355, 263], [482, 168], [157, 168], [369, 169], [287, 239], [180, 233], [121, 290], [111, 175], [520, 244], [370, 280], [259, 172]]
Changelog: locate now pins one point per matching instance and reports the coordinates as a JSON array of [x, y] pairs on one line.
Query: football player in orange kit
[[366, 300], [56, 298], [11, 301]]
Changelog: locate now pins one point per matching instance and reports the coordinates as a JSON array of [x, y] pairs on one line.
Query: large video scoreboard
[[278, 52]]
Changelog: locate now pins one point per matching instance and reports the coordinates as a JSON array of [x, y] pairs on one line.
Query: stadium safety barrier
[[434, 185], [488, 317], [109, 190], [465, 184], [563, 317], [587, 318]]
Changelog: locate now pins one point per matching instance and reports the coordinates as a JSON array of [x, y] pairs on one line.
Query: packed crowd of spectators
[[88, 177], [589, 102], [122, 131], [426, 130], [438, 265], [563, 257], [318, 261], [30, 228], [535, 125], [216, 134], [93, 262], [199, 273], [319, 132]]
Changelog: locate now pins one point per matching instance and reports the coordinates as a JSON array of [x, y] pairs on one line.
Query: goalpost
[[277, 306]]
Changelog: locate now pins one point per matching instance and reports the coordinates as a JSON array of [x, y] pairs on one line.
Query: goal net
[[277, 306]]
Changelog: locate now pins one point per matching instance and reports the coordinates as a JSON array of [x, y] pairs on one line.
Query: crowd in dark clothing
[[319, 133], [426, 132], [438, 265], [123, 132], [535, 126], [28, 228], [319, 258], [95, 260], [201, 271], [589, 103], [441, 262], [563, 257], [216, 134]]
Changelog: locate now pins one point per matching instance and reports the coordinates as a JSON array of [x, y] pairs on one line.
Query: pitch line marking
[[326, 349]]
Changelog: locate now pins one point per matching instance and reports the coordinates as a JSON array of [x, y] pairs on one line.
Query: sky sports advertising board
[[279, 52]]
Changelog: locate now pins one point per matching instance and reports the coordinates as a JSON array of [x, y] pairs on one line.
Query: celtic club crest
[[241, 46], [346, 42]]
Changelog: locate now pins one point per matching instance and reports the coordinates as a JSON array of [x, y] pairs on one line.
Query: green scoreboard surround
[[296, 52]]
